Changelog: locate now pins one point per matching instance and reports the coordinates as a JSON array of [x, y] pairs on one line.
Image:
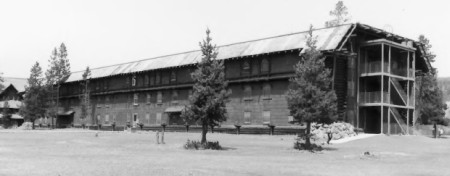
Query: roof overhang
[[174, 109], [66, 113]]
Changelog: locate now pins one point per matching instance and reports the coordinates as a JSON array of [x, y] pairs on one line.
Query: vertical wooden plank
[[334, 71], [389, 121], [414, 85], [358, 74], [382, 87]]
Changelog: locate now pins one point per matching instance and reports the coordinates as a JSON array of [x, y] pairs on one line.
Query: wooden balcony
[[374, 68], [374, 97]]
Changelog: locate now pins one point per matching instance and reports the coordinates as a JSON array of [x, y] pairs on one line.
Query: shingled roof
[[18, 83], [327, 39]]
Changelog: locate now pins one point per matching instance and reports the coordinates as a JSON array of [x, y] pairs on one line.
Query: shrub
[[337, 130], [197, 145], [26, 126]]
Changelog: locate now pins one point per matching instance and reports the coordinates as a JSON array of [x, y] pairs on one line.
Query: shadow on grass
[[442, 137], [327, 148], [228, 148]]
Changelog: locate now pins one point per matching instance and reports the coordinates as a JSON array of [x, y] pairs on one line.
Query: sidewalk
[[348, 139]]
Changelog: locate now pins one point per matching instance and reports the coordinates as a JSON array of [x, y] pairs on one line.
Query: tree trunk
[[32, 124], [308, 134], [204, 131]]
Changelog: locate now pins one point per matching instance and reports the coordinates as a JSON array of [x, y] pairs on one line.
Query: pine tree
[[1, 82], [57, 72], [310, 96], [430, 105], [34, 102], [85, 96], [340, 15], [207, 103]]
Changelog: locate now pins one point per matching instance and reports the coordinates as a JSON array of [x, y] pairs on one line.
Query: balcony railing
[[374, 67], [374, 97]]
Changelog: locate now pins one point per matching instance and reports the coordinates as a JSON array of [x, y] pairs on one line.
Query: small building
[[373, 75], [10, 101]]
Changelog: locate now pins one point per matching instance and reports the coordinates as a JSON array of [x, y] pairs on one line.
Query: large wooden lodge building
[[373, 75]]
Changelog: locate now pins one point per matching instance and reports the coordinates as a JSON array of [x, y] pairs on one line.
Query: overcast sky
[[105, 32]]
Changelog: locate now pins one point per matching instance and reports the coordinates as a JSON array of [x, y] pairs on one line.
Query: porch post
[[382, 88]]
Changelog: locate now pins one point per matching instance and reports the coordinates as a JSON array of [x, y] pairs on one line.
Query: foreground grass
[[81, 153]]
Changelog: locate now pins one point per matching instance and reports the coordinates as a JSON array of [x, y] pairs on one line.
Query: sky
[[106, 32]]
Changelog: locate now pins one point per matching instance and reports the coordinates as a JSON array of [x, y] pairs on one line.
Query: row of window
[[255, 67], [134, 118], [136, 98], [248, 67]]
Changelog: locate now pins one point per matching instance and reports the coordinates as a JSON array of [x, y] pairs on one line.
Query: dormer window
[[173, 76], [133, 80], [146, 80], [265, 65], [245, 68]]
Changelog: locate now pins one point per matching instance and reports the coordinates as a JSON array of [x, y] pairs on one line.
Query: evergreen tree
[[34, 102], [207, 103], [340, 15], [85, 96], [430, 105], [1, 82], [310, 96], [58, 71]]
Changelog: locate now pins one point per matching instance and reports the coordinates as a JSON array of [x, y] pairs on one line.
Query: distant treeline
[[444, 84]]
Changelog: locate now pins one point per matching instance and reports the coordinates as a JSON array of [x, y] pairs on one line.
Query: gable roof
[[18, 83], [327, 39]]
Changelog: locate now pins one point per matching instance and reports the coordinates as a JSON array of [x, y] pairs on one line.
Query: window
[[173, 76], [127, 81], [245, 68], [133, 81], [114, 117], [98, 119], [107, 119], [159, 97], [105, 85], [99, 102], [158, 118], [189, 93], [265, 66], [290, 119], [255, 65], [266, 117], [135, 99], [266, 90], [148, 98], [165, 76], [174, 95], [146, 80], [152, 79], [147, 118], [247, 91], [97, 85], [107, 101], [158, 78], [247, 117]]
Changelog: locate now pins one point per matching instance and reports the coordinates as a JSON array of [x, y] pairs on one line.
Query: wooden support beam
[[382, 87], [389, 121]]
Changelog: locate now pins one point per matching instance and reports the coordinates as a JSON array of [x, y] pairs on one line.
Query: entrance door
[[135, 120]]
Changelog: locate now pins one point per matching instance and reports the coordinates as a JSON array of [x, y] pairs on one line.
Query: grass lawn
[[62, 152]]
